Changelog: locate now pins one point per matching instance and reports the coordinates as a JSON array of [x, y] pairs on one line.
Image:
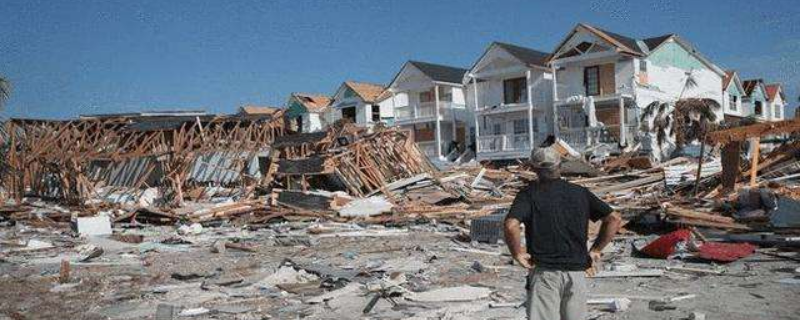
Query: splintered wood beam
[[756, 143]]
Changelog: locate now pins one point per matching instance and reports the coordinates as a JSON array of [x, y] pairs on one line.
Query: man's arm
[[608, 229], [518, 213], [512, 234]]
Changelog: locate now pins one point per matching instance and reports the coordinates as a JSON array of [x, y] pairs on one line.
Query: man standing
[[556, 215]]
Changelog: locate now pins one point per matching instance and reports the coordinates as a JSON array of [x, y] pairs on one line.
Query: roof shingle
[[439, 72], [526, 55], [368, 92], [312, 101]]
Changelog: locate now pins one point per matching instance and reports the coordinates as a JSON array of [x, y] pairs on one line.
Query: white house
[[733, 94], [776, 102], [306, 111], [358, 102], [509, 91], [755, 99], [428, 100], [604, 80]]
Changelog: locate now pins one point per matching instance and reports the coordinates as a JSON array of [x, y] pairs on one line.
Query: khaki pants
[[555, 295]]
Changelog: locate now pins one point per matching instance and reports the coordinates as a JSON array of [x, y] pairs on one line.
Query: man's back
[[556, 215]]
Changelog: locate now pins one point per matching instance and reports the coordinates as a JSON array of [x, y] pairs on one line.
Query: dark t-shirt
[[556, 215]]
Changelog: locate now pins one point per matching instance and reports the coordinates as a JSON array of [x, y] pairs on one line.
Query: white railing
[[504, 142], [426, 110], [580, 138]]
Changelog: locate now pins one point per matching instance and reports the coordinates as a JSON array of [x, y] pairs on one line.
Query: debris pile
[[238, 217]]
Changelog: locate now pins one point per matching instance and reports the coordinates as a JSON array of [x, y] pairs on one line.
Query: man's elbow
[[613, 219], [511, 225]]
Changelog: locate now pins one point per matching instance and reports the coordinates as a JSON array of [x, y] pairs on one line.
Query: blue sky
[[70, 57]]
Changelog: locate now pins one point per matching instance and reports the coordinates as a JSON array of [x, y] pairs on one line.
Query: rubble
[[349, 222]]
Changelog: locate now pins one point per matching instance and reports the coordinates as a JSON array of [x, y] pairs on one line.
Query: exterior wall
[[739, 109], [777, 109], [666, 73], [313, 122], [750, 103], [571, 82]]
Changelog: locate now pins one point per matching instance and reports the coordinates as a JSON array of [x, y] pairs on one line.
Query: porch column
[[475, 113], [438, 123], [530, 108], [394, 106], [622, 129], [555, 98]]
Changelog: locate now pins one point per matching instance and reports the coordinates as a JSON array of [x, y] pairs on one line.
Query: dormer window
[[758, 108], [734, 99]]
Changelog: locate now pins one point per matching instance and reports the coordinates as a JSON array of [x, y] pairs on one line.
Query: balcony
[[504, 143], [426, 111], [581, 138]]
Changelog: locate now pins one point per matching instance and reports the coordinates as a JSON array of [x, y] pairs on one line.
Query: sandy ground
[[130, 281]]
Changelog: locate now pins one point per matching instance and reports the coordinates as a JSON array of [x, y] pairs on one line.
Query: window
[[349, 113], [733, 101], [591, 80], [446, 94], [758, 109], [515, 91], [300, 123], [376, 113], [426, 96], [642, 65], [520, 126], [497, 129], [777, 112]]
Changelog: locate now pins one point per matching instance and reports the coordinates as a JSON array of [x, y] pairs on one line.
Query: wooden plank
[[756, 143]]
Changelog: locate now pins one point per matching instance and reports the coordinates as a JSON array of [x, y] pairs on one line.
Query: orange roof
[[258, 110], [727, 79], [312, 101], [772, 91], [368, 92]]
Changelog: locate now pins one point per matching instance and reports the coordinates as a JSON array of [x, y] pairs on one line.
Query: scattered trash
[[93, 226], [611, 304], [452, 294]]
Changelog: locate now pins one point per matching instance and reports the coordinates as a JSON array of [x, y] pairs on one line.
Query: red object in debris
[[725, 252], [664, 246]]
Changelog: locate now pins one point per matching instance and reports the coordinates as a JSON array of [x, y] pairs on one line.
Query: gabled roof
[[750, 85], [726, 80], [627, 42], [528, 56], [257, 110], [313, 102], [636, 47], [441, 73], [773, 91], [654, 42], [623, 43], [369, 92], [731, 76]]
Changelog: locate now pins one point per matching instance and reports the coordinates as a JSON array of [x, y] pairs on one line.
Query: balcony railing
[[504, 142], [581, 138], [426, 110]]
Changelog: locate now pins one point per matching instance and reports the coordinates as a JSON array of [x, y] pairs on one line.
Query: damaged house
[[509, 89], [604, 80], [428, 100], [357, 102], [101, 157], [305, 112]]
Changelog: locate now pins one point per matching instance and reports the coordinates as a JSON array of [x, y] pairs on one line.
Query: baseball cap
[[545, 158]]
